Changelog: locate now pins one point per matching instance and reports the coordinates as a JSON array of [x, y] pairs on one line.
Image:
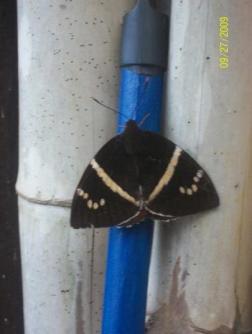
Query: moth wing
[[96, 200], [180, 186]]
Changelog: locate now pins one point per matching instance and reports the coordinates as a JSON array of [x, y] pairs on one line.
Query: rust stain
[[174, 317]]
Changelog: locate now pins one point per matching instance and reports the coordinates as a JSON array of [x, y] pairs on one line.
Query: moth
[[140, 174]]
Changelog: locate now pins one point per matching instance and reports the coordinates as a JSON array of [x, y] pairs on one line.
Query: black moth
[[140, 174]]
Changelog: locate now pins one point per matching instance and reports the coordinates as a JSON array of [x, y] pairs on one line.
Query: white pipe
[[68, 53], [201, 266]]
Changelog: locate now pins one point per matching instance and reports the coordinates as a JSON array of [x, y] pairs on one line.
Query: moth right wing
[[174, 183], [106, 194]]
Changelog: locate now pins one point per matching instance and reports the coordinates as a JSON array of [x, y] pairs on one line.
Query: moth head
[[131, 137], [131, 126]]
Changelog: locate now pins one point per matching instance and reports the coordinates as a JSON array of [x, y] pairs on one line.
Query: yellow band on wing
[[111, 184], [165, 179]]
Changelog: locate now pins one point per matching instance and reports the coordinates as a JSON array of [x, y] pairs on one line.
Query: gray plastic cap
[[144, 37]]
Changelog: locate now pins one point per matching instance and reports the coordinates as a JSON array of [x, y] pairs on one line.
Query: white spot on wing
[[79, 192], [90, 203], [194, 187], [189, 191], [95, 205], [102, 202], [199, 173]]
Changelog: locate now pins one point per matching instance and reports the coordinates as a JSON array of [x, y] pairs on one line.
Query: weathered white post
[[201, 267], [68, 53]]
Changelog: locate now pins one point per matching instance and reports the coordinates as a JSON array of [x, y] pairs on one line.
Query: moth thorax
[[131, 137]]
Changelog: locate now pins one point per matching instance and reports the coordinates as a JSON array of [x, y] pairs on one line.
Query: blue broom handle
[[129, 249], [143, 63]]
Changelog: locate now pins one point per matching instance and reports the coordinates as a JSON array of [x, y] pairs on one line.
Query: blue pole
[[129, 249]]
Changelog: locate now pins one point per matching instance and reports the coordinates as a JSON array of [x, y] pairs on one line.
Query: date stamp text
[[223, 42]]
